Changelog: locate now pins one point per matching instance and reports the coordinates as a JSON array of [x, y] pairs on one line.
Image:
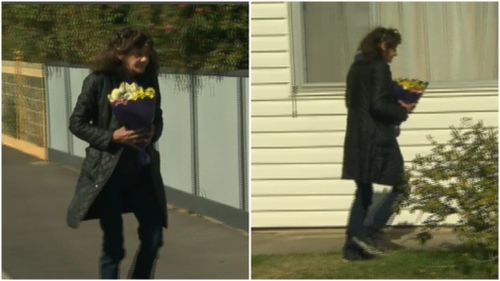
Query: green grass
[[402, 264]]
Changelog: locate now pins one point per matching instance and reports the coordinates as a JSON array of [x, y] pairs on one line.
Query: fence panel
[[9, 105], [23, 102], [245, 128], [57, 115], [176, 143], [76, 77], [202, 148], [218, 139]]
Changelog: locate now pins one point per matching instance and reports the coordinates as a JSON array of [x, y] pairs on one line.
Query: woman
[[112, 181], [371, 151]]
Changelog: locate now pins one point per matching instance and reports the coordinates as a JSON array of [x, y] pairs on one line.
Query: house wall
[[297, 140]]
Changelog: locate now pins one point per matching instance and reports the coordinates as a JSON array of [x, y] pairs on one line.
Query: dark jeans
[[125, 187], [359, 211]]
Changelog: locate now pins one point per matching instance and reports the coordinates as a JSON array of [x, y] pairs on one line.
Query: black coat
[[371, 150], [93, 122]]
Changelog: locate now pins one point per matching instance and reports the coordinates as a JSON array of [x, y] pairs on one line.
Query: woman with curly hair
[[371, 150], [112, 180]]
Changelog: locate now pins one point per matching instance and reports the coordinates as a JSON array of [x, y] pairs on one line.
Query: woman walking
[[371, 151], [113, 180]]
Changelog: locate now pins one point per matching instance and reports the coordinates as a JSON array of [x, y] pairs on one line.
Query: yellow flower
[[414, 85], [150, 93], [131, 92]]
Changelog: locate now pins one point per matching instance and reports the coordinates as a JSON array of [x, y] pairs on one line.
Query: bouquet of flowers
[[409, 90], [134, 108]]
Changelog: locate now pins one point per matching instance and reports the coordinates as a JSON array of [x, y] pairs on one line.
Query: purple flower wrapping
[[405, 95], [135, 115]]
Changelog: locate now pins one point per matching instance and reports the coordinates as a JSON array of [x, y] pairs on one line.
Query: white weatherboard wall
[[297, 161]]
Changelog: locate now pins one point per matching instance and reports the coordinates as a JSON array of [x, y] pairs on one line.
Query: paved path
[[36, 243]]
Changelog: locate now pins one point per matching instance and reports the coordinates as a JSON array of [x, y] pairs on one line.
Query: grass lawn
[[401, 264]]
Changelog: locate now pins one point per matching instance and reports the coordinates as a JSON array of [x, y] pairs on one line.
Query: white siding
[[297, 161]]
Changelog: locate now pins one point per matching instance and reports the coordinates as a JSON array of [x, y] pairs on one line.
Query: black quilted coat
[[93, 122], [371, 150]]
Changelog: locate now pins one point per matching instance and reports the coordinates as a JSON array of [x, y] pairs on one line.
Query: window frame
[[298, 58]]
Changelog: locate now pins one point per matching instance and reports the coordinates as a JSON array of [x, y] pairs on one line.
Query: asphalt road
[[37, 244]]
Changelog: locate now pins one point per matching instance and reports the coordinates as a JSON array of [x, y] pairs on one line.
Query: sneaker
[[365, 255], [350, 256], [353, 253], [367, 247], [380, 241]]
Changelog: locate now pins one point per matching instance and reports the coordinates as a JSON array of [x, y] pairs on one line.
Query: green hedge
[[189, 37]]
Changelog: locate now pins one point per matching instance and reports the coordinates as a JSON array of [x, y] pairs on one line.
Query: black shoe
[[367, 247], [350, 256], [380, 241], [365, 255], [352, 253]]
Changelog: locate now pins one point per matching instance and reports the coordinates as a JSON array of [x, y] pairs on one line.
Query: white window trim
[[297, 64]]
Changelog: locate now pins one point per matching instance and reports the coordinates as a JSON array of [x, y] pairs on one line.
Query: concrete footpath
[[37, 244], [298, 241]]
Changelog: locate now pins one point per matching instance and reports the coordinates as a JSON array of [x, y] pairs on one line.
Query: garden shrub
[[460, 178]]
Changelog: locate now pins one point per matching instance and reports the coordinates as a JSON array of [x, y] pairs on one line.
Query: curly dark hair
[[123, 42], [369, 46]]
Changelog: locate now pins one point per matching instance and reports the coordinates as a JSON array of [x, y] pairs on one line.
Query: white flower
[[131, 88], [127, 95], [123, 87], [115, 94]]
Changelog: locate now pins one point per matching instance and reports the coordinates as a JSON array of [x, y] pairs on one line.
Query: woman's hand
[[408, 106], [133, 138], [148, 136]]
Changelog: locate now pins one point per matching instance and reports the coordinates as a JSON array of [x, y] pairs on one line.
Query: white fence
[[203, 147]]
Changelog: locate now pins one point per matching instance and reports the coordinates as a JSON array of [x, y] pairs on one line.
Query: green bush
[[199, 37], [460, 178]]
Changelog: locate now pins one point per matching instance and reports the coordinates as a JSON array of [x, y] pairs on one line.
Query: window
[[447, 43]]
